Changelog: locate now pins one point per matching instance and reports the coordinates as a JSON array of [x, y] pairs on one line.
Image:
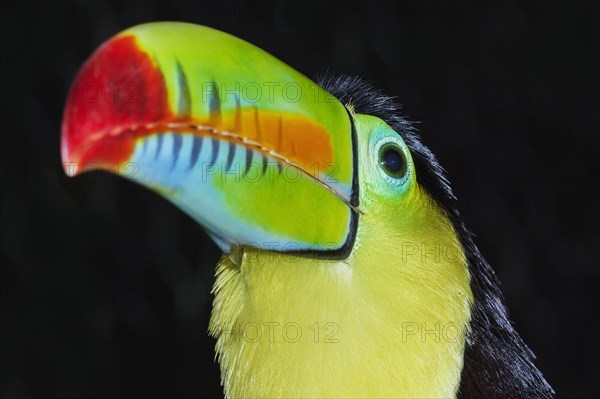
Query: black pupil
[[392, 160]]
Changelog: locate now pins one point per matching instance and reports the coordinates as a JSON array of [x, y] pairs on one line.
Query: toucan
[[346, 269]]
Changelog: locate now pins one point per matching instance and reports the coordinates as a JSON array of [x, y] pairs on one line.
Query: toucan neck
[[371, 325]]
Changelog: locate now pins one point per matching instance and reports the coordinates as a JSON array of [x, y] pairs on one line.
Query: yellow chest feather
[[389, 321]]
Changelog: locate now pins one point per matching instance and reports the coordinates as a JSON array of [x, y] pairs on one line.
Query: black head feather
[[497, 363]]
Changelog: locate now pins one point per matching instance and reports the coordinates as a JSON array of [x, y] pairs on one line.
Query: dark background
[[105, 288]]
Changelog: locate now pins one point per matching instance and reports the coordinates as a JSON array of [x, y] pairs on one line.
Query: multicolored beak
[[253, 150]]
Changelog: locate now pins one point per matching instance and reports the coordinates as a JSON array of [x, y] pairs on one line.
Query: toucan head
[[253, 150]]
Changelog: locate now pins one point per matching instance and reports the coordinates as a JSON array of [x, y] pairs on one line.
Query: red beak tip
[[95, 105]]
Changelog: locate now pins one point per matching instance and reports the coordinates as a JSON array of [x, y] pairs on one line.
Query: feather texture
[[497, 363]]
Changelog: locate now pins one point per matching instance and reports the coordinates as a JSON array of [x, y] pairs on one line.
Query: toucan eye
[[392, 160]]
